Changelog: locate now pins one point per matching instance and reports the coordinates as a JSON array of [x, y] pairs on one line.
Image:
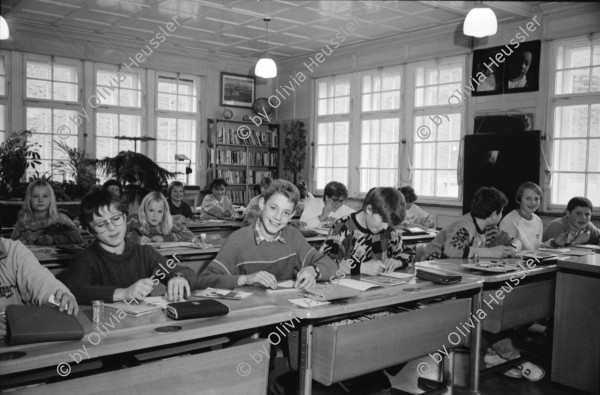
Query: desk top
[[136, 333], [453, 265], [588, 263]]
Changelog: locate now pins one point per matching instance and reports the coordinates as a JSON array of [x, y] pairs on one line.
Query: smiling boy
[[269, 251], [114, 269], [575, 227]]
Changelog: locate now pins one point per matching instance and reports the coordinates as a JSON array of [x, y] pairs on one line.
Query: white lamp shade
[[480, 22], [3, 29], [265, 68]]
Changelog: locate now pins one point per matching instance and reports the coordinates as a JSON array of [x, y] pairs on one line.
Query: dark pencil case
[[438, 276]]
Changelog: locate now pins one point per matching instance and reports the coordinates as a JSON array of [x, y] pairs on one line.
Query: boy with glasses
[[319, 213], [115, 269]]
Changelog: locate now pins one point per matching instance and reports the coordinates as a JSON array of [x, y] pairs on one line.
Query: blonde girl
[[154, 222], [39, 220]]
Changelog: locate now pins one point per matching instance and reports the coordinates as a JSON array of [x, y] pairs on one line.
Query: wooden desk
[[576, 342], [138, 334], [380, 342], [508, 300]]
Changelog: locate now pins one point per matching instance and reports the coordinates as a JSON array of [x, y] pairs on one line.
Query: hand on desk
[[392, 264], [307, 277], [501, 252], [138, 290], [372, 267], [263, 278], [66, 302]]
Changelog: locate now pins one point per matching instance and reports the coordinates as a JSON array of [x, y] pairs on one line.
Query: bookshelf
[[243, 153]]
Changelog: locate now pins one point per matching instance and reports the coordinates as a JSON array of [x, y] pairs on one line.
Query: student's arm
[[21, 233], [186, 210], [456, 244], [309, 258], [397, 255], [82, 278], [134, 230], [36, 283], [65, 232], [181, 233], [425, 219], [211, 207], [310, 215], [180, 280]]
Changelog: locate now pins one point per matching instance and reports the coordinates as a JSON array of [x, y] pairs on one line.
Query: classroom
[[299, 197]]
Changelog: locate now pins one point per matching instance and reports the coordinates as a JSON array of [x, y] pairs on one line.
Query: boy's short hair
[[335, 189], [388, 202], [486, 201], [579, 201], [409, 194], [284, 187], [172, 185], [92, 203], [528, 185], [110, 183], [217, 182]]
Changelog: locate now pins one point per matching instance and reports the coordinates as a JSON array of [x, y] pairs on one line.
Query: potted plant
[[79, 168], [16, 156], [294, 147]]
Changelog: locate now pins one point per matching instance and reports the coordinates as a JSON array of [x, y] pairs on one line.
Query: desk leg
[[475, 345], [448, 373], [306, 359]]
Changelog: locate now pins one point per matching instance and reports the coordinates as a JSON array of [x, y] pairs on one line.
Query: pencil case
[[196, 309], [438, 276], [328, 291]]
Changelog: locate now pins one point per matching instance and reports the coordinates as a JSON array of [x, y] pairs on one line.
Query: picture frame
[[506, 69], [237, 90]]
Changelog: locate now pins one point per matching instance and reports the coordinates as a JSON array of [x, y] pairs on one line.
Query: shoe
[[492, 358], [531, 371]]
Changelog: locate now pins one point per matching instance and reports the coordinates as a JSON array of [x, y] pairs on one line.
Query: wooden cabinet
[[242, 154]]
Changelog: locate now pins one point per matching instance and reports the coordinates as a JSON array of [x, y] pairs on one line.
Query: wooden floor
[[491, 383]]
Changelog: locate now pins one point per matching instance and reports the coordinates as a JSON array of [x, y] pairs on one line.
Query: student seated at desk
[[217, 205], [39, 220], [114, 269], [179, 209], [367, 242], [575, 227], [154, 222], [522, 223], [476, 232], [24, 281], [415, 215], [268, 251], [318, 213], [304, 196], [252, 211]]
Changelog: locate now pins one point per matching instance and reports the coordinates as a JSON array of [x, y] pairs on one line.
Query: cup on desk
[[214, 239]]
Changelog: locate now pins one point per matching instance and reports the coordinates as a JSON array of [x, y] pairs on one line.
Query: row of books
[[239, 157], [236, 195], [244, 135], [240, 176]]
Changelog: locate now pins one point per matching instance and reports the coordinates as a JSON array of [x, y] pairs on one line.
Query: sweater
[[527, 231], [314, 207], [22, 279], [95, 273], [562, 225], [458, 239], [183, 209], [241, 254], [213, 209], [415, 215], [62, 232], [347, 239], [178, 232]]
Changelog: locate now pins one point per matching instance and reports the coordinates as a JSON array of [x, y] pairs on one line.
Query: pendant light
[[3, 29], [266, 67], [480, 22]]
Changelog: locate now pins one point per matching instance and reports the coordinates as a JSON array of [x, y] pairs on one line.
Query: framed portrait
[[511, 68], [237, 90], [522, 69]]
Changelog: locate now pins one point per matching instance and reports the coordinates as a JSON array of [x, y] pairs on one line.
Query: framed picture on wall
[[506, 69], [237, 90]]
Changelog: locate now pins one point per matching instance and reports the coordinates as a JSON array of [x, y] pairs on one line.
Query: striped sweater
[[242, 255]]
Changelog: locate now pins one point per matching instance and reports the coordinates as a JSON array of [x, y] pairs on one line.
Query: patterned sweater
[[213, 209], [135, 232], [347, 239], [62, 232], [458, 239]]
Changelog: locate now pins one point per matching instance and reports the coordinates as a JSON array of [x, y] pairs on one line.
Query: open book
[[222, 294], [492, 266]]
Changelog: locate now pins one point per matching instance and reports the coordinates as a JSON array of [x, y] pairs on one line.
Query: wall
[[558, 21]]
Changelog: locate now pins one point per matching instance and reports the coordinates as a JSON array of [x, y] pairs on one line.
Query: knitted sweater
[[241, 254], [562, 225], [347, 239], [96, 273], [22, 279], [178, 232], [62, 232], [213, 209]]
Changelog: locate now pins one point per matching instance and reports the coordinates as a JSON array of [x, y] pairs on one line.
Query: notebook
[[222, 294], [36, 324], [491, 266], [133, 308]]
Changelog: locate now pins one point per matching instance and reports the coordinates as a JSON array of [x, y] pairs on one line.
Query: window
[[3, 96], [177, 120], [333, 130], [51, 100], [380, 128], [119, 111], [575, 109], [437, 127]]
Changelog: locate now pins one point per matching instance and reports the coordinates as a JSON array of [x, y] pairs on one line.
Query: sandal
[[531, 372]]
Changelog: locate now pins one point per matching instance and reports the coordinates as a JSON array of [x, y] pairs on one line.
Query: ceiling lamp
[[266, 67], [3, 29], [480, 22]]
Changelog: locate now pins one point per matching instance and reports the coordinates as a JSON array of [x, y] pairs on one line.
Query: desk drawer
[[522, 305], [341, 352]]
